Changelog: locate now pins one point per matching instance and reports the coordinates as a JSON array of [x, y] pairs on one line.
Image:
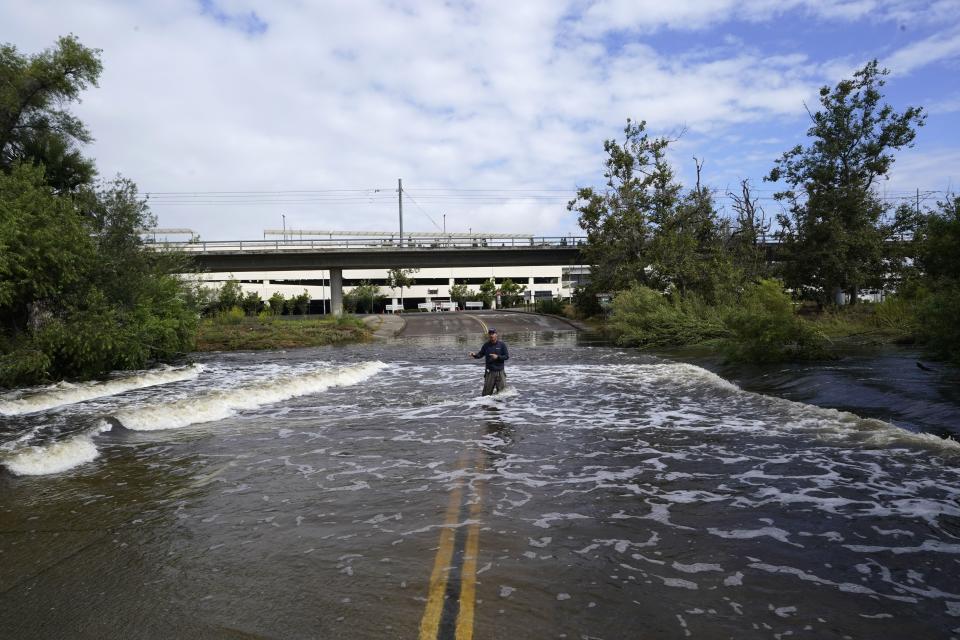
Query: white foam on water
[[217, 405], [52, 458], [64, 393]]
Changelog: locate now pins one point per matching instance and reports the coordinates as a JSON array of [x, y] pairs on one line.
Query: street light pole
[[284, 216]]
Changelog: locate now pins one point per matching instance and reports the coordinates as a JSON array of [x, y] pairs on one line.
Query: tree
[[299, 305], [80, 295], [35, 126], [364, 298], [640, 189], [488, 291], [251, 303], [398, 278], [231, 295], [687, 249], [277, 303], [460, 293], [748, 240], [832, 233], [511, 292]]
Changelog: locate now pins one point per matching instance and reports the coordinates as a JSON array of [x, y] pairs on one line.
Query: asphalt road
[[472, 323]]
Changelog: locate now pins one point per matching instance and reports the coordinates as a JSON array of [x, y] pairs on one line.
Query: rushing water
[[302, 495]]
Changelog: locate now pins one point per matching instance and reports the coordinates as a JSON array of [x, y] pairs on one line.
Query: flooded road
[[368, 492]]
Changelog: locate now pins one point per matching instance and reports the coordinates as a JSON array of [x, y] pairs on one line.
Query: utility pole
[[400, 205], [444, 224], [284, 216]]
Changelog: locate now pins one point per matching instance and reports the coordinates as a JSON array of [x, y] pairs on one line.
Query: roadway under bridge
[[338, 254]]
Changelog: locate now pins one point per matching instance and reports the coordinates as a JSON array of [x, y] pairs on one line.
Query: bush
[[764, 328], [647, 318], [251, 303], [230, 296], [585, 302], [552, 306], [230, 316], [24, 366], [277, 303], [938, 322], [298, 305], [896, 314], [364, 298]]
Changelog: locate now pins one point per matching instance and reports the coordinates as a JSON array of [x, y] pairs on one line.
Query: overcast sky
[[492, 113]]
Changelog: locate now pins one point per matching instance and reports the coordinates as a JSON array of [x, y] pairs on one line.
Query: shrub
[[938, 322], [251, 303], [585, 302], [896, 314], [764, 328], [647, 318], [230, 295], [230, 316], [552, 306], [277, 303]]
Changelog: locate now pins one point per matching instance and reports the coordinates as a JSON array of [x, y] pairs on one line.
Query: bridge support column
[[336, 292]]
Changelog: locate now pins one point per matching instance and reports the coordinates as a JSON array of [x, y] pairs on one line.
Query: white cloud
[[352, 95], [940, 46]]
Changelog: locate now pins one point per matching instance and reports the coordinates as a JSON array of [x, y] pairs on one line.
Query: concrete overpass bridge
[[419, 251]]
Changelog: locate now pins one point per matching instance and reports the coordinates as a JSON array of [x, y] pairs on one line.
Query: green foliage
[[364, 298], [35, 126], [619, 221], [233, 315], [488, 291], [585, 302], [938, 322], [646, 318], [300, 304], [230, 296], [251, 303], [551, 306], [79, 293], [460, 293], [511, 293], [45, 249], [833, 232], [277, 303], [897, 315], [763, 327]]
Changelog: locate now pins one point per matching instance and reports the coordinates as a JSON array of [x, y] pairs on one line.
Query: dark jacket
[[500, 348]]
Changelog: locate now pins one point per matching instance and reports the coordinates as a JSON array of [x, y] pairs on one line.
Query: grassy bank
[[763, 325], [253, 333]]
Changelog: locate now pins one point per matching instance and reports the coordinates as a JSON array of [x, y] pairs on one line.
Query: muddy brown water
[[608, 494]]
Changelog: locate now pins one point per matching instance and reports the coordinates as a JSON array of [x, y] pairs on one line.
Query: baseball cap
[[491, 330]]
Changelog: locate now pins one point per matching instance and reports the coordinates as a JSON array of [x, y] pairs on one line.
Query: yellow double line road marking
[[449, 613]]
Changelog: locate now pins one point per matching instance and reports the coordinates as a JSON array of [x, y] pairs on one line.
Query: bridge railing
[[418, 243]]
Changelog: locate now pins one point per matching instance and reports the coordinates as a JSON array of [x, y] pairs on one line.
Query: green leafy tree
[[364, 298], [640, 189], [511, 293], [401, 278], [833, 232], [299, 305], [764, 328], [79, 293], [937, 298], [687, 250], [460, 293], [45, 251], [230, 296], [251, 303], [35, 126], [488, 291], [277, 303]]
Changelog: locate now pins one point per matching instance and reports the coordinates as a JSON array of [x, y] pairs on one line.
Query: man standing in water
[[495, 352]]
